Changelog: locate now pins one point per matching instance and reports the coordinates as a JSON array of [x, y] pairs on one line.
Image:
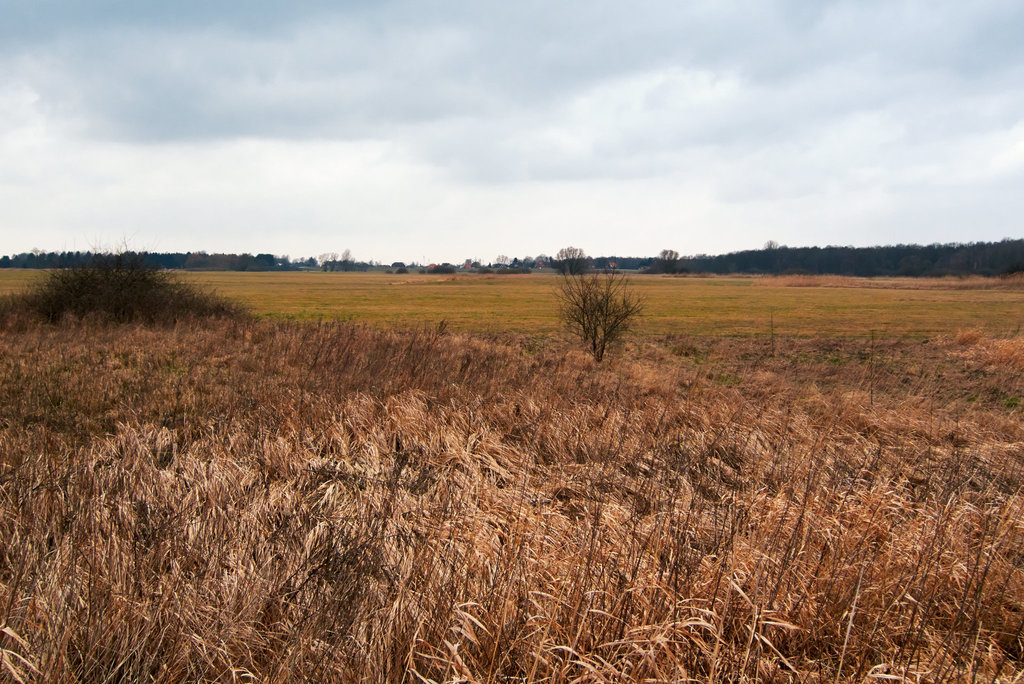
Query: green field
[[688, 305]]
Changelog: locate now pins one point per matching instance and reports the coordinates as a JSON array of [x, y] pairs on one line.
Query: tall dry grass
[[999, 353], [255, 501], [1014, 281]]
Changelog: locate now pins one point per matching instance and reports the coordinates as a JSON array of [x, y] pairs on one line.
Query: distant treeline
[[979, 258], [200, 261]]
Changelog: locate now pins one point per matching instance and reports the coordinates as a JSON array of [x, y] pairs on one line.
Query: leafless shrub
[[120, 288], [598, 308]]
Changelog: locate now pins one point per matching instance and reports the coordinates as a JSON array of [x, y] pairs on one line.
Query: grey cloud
[[27, 23], [498, 91], [331, 82]]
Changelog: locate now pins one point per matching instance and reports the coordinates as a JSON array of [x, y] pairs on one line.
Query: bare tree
[[572, 261], [598, 308], [666, 262], [329, 261]]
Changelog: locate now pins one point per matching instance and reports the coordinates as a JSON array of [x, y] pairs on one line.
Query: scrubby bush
[[121, 288], [598, 308]]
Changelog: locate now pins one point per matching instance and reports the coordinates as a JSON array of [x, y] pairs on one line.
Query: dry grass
[[1013, 281], [998, 353], [279, 502]]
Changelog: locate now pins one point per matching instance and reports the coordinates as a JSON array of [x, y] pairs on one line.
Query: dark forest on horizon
[[980, 258]]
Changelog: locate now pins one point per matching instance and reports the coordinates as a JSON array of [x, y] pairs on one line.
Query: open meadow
[[773, 480], [746, 306]]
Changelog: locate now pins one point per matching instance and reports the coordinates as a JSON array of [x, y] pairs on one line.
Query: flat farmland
[[804, 307]]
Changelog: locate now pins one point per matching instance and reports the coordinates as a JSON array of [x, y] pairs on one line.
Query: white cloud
[[456, 130]]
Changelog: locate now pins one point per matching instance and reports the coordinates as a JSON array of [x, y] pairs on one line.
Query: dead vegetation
[[1012, 281], [276, 502], [995, 353]]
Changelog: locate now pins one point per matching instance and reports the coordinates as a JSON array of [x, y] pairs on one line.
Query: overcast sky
[[447, 130]]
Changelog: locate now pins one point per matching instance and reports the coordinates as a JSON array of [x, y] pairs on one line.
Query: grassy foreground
[[274, 501], [800, 306]]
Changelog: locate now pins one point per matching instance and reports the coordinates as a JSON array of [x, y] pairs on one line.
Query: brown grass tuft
[[992, 353], [969, 337], [1008, 352]]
